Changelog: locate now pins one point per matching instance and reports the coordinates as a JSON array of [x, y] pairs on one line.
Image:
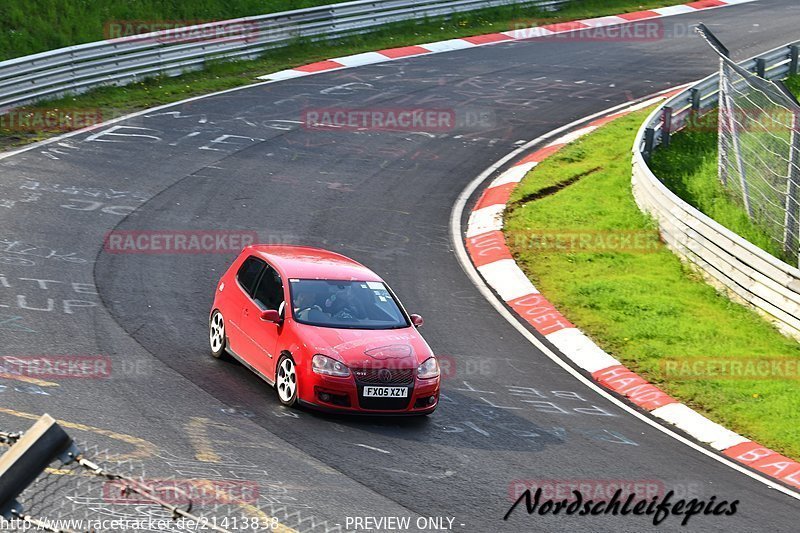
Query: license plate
[[385, 392]]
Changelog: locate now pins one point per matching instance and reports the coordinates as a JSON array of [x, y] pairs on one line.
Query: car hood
[[359, 348]]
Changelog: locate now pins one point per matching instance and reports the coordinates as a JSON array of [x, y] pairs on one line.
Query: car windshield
[[345, 304]]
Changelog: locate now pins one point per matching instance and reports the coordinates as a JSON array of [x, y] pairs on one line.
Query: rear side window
[[269, 294], [248, 273]]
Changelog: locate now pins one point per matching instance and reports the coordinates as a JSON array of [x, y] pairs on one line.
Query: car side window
[[248, 273], [269, 293]]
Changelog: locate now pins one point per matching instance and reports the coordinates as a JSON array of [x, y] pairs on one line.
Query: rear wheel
[[216, 335], [286, 381]]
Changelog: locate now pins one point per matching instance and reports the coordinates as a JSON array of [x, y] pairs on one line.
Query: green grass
[[794, 85], [645, 308], [26, 29], [31, 26], [689, 168]]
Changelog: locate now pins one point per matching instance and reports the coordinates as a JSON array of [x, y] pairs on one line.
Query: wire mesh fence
[[95, 492], [92, 490], [759, 152], [87, 489], [102, 494]]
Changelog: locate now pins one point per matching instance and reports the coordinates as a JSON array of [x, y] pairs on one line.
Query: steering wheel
[[309, 308], [345, 313]]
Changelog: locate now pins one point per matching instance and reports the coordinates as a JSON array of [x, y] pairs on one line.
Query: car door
[[239, 297], [263, 334]]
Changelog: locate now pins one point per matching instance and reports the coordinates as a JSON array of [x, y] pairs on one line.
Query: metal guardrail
[[124, 60], [746, 271]]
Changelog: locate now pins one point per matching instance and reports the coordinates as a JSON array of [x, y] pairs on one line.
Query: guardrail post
[[649, 141], [694, 114], [794, 52], [696, 98], [27, 458], [761, 67], [666, 128]]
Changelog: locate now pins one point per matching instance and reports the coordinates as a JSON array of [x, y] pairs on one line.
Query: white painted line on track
[[373, 448]]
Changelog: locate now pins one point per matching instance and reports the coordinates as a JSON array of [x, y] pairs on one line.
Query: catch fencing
[[48, 482], [759, 151], [747, 272]]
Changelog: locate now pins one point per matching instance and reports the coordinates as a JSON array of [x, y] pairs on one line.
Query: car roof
[[307, 262]]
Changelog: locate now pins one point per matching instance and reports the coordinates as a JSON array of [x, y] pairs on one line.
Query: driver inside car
[[305, 303], [342, 304]]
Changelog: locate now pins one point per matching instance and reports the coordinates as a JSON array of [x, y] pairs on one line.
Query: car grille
[[384, 376], [383, 404]]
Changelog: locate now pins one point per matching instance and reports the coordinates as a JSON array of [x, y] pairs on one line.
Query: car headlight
[[331, 367], [429, 369]]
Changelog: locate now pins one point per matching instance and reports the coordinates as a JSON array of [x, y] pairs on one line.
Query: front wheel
[[216, 335], [286, 381]]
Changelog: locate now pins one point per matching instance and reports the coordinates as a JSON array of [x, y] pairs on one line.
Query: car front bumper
[[346, 395]]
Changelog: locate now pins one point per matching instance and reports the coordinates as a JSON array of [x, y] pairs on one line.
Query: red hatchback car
[[324, 330]]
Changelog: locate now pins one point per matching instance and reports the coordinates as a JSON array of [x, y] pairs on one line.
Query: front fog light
[[429, 369]]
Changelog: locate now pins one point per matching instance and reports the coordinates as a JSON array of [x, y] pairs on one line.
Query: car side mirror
[[417, 321], [271, 315]]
